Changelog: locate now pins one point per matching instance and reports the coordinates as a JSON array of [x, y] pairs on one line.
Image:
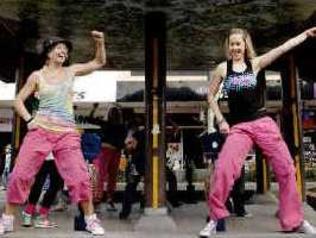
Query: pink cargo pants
[[66, 148], [265, 133]]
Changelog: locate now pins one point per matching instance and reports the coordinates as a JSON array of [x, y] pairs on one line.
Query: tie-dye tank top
[[55, 110], [245, 92]]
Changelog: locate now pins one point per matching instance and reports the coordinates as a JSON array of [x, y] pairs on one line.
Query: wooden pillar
[[18, 125], [291, 118], [155, 75], [262, 175]]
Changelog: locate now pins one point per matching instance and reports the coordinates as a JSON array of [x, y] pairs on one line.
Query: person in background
[[53, 129], [135, 150], [5, 164], [249, 124], [113, 134], [172, 162]]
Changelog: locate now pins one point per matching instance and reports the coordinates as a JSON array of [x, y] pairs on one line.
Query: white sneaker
[[7, 222], [306, 228], [1, 228], [93, 225], [208, 230]]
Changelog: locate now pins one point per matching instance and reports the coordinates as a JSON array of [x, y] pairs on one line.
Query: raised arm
[[95, 120], [99, 58], [264, 60], [28, 88], [94, 108]]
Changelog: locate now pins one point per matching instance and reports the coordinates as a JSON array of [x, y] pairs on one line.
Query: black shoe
[[79, 223], [123, 215], [221, 225], [245, 214], [176, 204]]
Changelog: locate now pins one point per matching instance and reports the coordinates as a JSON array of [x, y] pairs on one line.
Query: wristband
[[29, 120]]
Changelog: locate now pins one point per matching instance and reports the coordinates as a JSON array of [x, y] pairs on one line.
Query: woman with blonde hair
[[248, 124]]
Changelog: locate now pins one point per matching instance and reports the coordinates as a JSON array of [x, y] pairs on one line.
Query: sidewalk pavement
[[189, 219]]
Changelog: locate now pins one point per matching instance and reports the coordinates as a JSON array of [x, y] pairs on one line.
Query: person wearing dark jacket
[[135, 148], [113, 134]]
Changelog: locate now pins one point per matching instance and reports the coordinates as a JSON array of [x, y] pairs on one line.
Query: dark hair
[[115, 115], [49, 43]]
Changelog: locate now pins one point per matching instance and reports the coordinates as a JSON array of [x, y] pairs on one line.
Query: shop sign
[[7, 91], [99, 86]]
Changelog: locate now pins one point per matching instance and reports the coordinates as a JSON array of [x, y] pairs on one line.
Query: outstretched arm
[[99, 58], [28, 88], [264, 60]]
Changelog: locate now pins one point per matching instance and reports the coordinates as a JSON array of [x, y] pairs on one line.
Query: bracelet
[[29, 120]]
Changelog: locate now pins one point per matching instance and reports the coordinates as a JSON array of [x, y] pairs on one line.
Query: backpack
[[91, 145], [212, 144]]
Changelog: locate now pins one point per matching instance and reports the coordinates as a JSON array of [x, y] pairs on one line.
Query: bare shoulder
[[221, 69], [30, 85], [34, 76]]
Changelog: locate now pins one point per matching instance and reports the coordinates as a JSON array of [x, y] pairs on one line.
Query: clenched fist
[[97, 35]]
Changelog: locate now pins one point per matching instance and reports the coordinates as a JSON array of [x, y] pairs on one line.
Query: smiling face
[[59, 54], [236, 47]]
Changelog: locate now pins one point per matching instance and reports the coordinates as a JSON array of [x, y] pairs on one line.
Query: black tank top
[[245, 94]]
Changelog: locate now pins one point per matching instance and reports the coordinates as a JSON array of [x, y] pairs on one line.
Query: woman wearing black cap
[[53, 129]]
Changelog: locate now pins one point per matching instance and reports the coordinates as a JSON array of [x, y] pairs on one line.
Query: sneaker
[[44, 222], [208, 230], [7, 222], [94, 226], [306, 228], [245, 215], [26, 219], [248, 215], [1, 228]]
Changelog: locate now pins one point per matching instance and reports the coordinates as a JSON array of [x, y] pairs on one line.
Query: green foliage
[[195, 29]]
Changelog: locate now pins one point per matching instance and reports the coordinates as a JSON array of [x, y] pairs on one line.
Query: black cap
[[50, 42]]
